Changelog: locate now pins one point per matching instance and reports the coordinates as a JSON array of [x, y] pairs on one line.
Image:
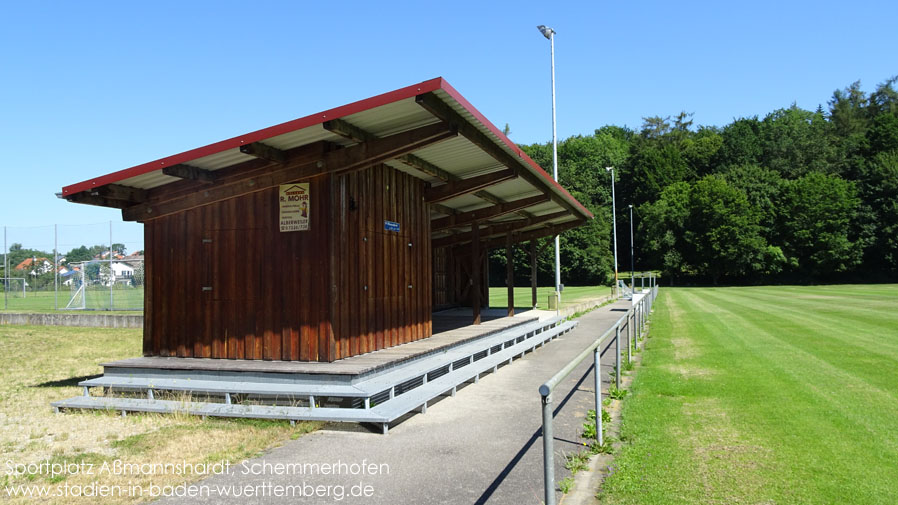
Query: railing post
[[643, 315], [629, 356], [548, 451], [636, 321], [617, 359], [597, 365]]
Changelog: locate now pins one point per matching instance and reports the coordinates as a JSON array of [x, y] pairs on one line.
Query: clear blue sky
[[93, 87]]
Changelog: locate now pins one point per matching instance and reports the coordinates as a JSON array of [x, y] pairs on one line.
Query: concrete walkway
[[482, 446]]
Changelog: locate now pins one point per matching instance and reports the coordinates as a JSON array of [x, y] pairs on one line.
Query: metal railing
[[635, 321]]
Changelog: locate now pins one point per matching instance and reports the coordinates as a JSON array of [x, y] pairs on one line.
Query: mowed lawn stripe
[[801, 397], [872, 312], [864, 331], [829, 380], [760, 413], [839, 341]]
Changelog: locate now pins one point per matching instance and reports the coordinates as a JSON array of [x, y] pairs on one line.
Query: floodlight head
[[546, 31], [608, 169], [631, 205]]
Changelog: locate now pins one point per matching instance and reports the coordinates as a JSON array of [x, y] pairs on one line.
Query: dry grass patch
[[44, 364], [727, 462]]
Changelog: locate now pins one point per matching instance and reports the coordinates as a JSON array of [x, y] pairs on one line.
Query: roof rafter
[[464, 186], [494, 229], [466, 218], [440, 109], [352, 132], [190, 172], [308, 161], [264, 151]]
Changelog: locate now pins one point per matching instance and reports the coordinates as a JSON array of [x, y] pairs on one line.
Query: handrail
[[637, 313], [549, 385]]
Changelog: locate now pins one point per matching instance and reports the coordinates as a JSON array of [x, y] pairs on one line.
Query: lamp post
[[614, 222], [550, 34], [632, 253]]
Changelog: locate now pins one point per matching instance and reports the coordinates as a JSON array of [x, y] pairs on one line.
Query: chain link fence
[[72, 267]]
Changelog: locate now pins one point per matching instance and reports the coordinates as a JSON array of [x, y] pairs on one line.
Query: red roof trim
[[257, 136], [521, 154], [314, 119]]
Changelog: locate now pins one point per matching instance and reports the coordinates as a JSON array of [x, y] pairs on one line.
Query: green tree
[[741, 143], [816, 211], [722, 232], [662, 226], [761, 187], [794, 142]]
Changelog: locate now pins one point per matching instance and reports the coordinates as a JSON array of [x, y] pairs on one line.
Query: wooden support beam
[[352, 132], [546, 231], [377, 151], [440, 109], [427, 167], [498, 229], [189, 172], [118, 192], [442, 209], [465, 186], [91, 199], [265, 151], [475, 273], [466, 218], [533, 244], [347, 130], [300, 164], [509, 272]]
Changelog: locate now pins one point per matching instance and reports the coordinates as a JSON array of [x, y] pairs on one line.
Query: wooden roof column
[[509, 273], [475, 272]]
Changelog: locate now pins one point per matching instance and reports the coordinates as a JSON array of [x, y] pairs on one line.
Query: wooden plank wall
[[268, 297], [383, 277], [458, 268], [343, 288], [443, 289]]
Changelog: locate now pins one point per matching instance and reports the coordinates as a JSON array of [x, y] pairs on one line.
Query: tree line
[[796, 195]]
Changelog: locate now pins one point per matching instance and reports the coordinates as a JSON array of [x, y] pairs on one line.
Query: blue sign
[[391, 226]]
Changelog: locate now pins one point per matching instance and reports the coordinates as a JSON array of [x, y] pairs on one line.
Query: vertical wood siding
[[383, 277], [337, 290], [268, 296]]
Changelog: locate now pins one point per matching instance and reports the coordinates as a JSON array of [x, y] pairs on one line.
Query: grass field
[[522, 296], [43, 364], [97, 299], [764, 395]]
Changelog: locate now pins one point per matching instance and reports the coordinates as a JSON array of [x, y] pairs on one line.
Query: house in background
[[122, 273], [35, 266]]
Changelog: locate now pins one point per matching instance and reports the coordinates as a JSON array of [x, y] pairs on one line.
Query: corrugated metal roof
[[383, 115]]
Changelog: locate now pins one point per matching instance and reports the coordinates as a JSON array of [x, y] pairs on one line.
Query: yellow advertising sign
[[295, 204]]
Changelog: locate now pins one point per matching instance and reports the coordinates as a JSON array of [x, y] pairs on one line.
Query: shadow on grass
[[71, 381]]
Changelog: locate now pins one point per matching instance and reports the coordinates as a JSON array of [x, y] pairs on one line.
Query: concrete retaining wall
[[92, 319], [587, 305]]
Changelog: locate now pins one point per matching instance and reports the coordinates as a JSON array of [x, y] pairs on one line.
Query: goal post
[[14, 286]]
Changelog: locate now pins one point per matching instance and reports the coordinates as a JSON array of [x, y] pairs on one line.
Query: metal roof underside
[[457, 156]]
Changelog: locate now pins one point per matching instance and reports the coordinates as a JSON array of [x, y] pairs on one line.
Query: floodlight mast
[[614, 223], [550, 34], [632, 252]]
